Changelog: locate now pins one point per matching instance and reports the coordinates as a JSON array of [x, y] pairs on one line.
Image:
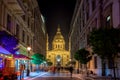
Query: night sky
[[57, 12]]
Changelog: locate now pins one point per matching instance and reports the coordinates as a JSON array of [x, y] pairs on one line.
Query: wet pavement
[[52, 76], [56, 78]]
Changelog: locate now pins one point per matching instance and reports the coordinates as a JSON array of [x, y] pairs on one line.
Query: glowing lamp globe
[[28, 48]]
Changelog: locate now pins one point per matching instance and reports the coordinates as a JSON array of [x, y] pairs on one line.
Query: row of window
[[80, 37], [57, 46], [81, 21], [24, 25], [51, 55], [17, 32], [8, 22], [90, 28]]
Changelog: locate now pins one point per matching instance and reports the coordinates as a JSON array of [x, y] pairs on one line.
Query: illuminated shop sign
[[1, 63], [4, 51], [8, 42]]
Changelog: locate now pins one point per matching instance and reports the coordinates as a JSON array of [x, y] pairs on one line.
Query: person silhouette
[[53, 69], [71, 70], [58, 69]]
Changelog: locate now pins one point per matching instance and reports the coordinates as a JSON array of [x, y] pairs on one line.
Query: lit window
[[108, 18], [108, 21]]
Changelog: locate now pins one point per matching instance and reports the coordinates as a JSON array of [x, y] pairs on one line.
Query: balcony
[[17, 6]]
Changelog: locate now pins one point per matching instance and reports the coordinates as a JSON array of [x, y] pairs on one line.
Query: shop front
[[20, 59], [9, 67], [6, 62], [20, 64], [25, 57], [8, 47]]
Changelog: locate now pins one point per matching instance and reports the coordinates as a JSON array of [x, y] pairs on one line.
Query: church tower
[[58, 55]]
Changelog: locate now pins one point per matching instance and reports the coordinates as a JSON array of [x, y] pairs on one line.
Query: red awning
[[20, 56]]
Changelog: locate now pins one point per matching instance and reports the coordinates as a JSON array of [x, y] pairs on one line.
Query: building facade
[[22, 19], [40, 32], [58, 55], [89, 15]]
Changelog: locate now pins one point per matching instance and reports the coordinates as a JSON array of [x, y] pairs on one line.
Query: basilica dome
[[58, 41], [58, 55]]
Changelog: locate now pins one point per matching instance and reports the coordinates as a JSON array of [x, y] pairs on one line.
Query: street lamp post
[[28, 68]]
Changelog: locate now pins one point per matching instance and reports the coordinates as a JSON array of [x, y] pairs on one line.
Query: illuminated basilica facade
[[58, 55]]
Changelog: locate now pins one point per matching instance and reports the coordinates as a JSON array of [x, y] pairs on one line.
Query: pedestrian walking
[[21, 71], [53, 69], [71, 70], [28, 72], [22, 68]]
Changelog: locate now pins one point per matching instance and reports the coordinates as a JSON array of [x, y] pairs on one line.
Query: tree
[[76, 56], [105, 43], [37, 59], [49, 63], [83, 56]]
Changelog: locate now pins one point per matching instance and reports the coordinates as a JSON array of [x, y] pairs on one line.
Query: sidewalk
[[35, 74], [79, 76], [93, 77], [32, 75]]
